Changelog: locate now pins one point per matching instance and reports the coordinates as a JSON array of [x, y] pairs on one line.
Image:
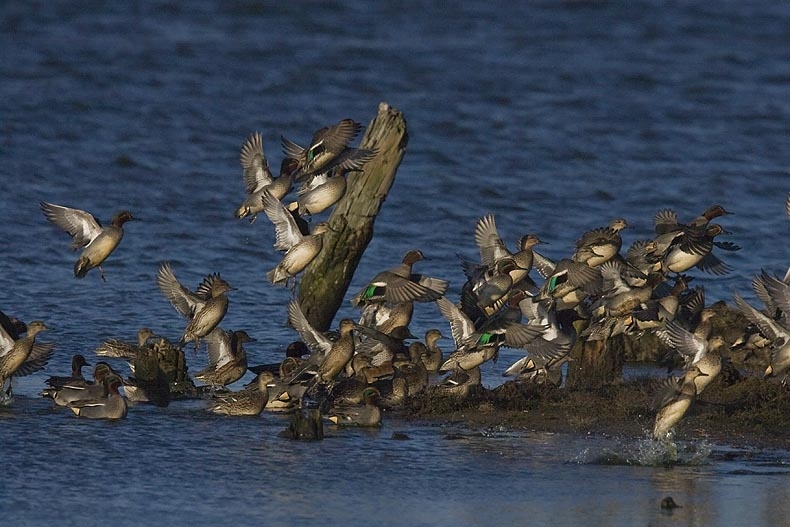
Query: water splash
[[646, 452]]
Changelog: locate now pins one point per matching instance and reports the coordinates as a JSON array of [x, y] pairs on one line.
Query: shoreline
[[748, 413]]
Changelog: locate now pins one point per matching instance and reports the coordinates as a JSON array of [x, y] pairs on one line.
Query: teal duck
[[493, 249], [703, 353], [112, 405], [120, 349], [77, 363], [682, 250], [568, 283], [400, 284], [22, 356], [205, 308], [328, 149], [368, 414], [258, 177], [433, 359], [474, 345], [249, 402], [299, 249], [81, 390], [328, 358], [226, 356], [777, 333], [319, 194], [96, 241], [673, 401], [600, 245], [460, 384], [546, 353], [666, 220]]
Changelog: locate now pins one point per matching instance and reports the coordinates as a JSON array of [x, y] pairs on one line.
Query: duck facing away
[[87, 233], [205, 308]]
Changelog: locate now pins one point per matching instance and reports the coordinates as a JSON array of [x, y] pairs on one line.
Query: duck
[[598, 246], [460, 384], [433, 358], [673, 401], [551, 349], [400, 284], [244, 402], [299, 249], [328, 148], [205, 308], [81, 390], [493, 249], [568, 283], [384, 317], [294, 351], [319, 194], [227, 357], [119, 349], [97, 242], [22, 356], [775, 331], [77, 363], [703, 353], [112, 405], [474, 346], [689, 248], [368, 414], [666, 220], [328, 358], [257, 177]]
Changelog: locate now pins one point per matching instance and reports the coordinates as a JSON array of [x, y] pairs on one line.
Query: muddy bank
[[749, 412]]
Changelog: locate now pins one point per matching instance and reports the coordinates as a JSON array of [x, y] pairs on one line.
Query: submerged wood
[[160, 371], [326, 280]]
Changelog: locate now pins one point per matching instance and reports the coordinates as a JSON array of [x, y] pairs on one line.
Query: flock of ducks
[[375, 362]]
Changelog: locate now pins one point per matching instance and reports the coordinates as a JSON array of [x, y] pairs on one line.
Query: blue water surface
[[555, 116]]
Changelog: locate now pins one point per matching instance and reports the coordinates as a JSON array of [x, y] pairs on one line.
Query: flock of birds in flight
[[367, 364]]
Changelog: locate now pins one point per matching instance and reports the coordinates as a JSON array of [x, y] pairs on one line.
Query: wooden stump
[[595, 363], [325, 281]]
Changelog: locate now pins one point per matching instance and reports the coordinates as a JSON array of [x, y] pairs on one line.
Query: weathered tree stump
[[305, 425], [325, 281], [595, 363], [160, 371]]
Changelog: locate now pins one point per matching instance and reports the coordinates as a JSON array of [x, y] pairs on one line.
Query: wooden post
[[325, 281], [595, 363]]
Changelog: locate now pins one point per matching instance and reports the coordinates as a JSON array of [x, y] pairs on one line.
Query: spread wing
[[38, 358], [286, 232], [82, 226], [219, 349], [185, 301], [256, 169], [316, 341]]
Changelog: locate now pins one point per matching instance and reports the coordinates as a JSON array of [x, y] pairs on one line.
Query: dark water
[[556, 116]]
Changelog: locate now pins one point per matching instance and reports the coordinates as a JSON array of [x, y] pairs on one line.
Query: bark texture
[[326, 280]]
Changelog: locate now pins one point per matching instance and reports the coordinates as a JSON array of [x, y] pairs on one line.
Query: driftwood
[[326, 280]]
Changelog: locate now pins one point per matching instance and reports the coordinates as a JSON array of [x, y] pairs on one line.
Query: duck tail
[[81, 267]]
